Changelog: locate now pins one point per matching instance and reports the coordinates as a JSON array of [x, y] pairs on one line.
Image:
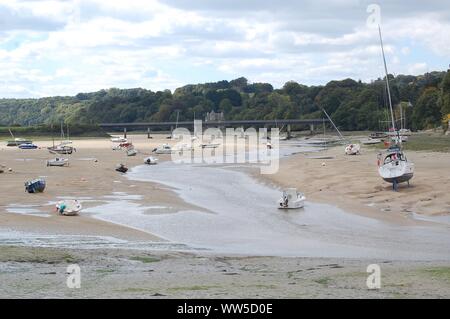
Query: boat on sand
[[118, 140], [28, 146], [58, 162], [394, 166], [150, 160], [121, 168], [35, 186], [70, 207], [353, 149], [164, 149], [291, 199]]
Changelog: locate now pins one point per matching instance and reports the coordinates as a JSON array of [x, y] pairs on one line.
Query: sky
[[64, 47]]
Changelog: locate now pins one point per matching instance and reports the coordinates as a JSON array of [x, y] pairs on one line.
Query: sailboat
[[17, 141], [393, 166], [175, 136], [63, 147], [403, 133], [60, 162], [350, 149], [164, 149]]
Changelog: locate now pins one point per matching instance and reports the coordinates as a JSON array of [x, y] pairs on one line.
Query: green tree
[[225, 106], [426, 113], [444, 99]]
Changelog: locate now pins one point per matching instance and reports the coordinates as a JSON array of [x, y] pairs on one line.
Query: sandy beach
[[349, 183], [353, 183], [91, 174]]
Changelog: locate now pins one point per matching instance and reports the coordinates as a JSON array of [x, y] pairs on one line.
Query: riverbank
[[90, 177], [353, 183]]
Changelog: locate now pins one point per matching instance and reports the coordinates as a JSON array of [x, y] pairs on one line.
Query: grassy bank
[[47, 131], [428, 142], [431, 142]]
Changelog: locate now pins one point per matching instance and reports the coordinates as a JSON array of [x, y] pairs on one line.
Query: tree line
[[353, 105]]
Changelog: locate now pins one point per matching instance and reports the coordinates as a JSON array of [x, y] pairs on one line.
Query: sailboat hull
[[401, 179], [61, 149], [400, 172]]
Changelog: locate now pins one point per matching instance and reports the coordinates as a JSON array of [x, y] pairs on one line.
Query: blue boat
[[28, 146], [35, 186]]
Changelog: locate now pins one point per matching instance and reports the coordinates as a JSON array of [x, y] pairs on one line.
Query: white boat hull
[[300, 203], [58, 162], [397, 172], [69, 207], [371, 141], [118, 140], [353, 149], [131, 152], [163, 151], [291, 199], [151, 161]]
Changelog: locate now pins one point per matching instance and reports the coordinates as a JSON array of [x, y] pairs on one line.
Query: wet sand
[[90, 176], [41, 273]]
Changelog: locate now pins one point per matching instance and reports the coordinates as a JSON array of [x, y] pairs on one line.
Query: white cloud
[[63, 47], [418, 68]]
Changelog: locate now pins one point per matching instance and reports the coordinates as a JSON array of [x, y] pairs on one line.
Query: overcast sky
[[64, 47]]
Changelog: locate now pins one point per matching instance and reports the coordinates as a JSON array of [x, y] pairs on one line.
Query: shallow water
[[444, 219], [240, 216], [25, 210]]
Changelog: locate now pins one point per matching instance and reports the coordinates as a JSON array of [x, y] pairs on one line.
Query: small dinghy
[[291, 199], [378, 135], [58, 162], [69, 207], [28, 146], [353, 149], [121, 168], [371, 141], [35, 186], [17, 142], [164, 149], [150, 160], [131, 151], [118, 140]]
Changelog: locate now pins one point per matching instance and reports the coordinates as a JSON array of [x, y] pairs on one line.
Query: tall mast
[[339, 132], [62, 132], [387, 81], [53, 136], [12, 135]]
